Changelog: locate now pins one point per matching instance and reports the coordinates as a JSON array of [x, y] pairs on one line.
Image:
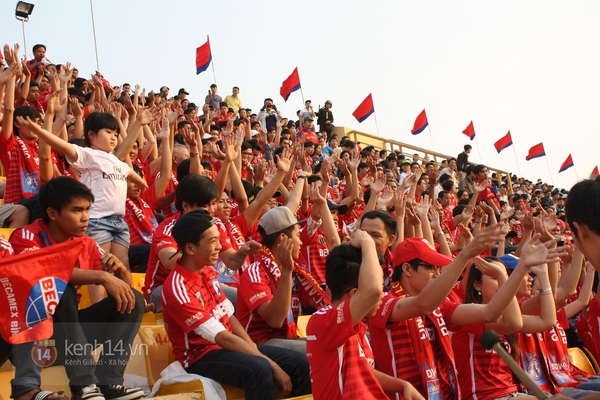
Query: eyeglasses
[[431, 268]]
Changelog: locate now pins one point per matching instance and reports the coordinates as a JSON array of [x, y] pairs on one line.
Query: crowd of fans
[[242, 221]]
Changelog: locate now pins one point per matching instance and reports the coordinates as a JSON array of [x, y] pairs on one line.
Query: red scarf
[[142, 223], [29, 168], [446, 381]]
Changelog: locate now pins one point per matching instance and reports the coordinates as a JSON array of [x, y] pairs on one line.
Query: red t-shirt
[[156, 272], [258, 285], [36, 236], [532, 360], [588, 328], [15, 173], [482, 374], [340, 357], [190, 300], [145, 205], [556, 355], [315, 251], [6, 249]]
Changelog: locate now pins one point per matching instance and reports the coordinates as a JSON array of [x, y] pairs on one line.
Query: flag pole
[[431, 136], [517, 160], [478, 151], [576, 176], [376, 124], [212, 62], [302, 93], [548, 164]]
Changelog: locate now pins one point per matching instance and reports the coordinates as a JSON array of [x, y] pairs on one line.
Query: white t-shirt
[[106, 176]]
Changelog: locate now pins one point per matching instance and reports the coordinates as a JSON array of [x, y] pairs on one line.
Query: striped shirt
[[340, 357], [191, 301]]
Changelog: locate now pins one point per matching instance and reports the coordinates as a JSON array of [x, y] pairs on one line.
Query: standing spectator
[[182, 93], [462, 161], [213, 99], [39, 61], [325, 119], [233, 101], [307, 111], [268, 115]]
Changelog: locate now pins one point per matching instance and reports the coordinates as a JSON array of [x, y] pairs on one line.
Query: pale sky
[[525, 66]]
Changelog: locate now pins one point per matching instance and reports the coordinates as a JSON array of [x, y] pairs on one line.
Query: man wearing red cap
[[414, 314]]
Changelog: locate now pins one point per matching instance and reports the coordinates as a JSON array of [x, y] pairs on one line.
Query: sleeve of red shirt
[[249, 289], [384, 313], [20, 244]]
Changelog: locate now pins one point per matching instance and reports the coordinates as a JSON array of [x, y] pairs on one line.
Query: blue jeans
[[76, 334], [254, 374]]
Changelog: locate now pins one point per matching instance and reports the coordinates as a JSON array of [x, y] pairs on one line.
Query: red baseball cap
[[420, 248]]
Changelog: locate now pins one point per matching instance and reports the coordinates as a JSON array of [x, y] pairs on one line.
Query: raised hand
[[315, 193], [8, 73], [353, 162], [485, 239], [492, 269], [535, 252], [65, 72], [422, 208], [480, 187], [54, 103], [507, 214], [385, 197], [284, 160]]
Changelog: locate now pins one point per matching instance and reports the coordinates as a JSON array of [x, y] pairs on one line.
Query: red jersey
[[140, 218], [557, 356], [162, 239], [488, 194], [258, 285], [482, 374], [6, 249], [588, 327], [191, 300], [417, 350], [21, 165], [532, 360], [314, 250], [340, 357], [36, 236]]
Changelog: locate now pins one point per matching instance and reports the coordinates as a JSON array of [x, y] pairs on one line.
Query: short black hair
[[342, 269], [583, 205], [57, 193], [37, 46], [195, 190], [25, 111], [388, 221]]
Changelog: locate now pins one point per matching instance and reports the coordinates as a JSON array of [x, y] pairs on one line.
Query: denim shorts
[[109, 229]]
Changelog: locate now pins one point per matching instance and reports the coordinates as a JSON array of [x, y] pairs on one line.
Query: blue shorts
[[109, 229]]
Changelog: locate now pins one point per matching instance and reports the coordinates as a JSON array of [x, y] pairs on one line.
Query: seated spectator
[[207, 338], [341, 359], [66, 203]]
